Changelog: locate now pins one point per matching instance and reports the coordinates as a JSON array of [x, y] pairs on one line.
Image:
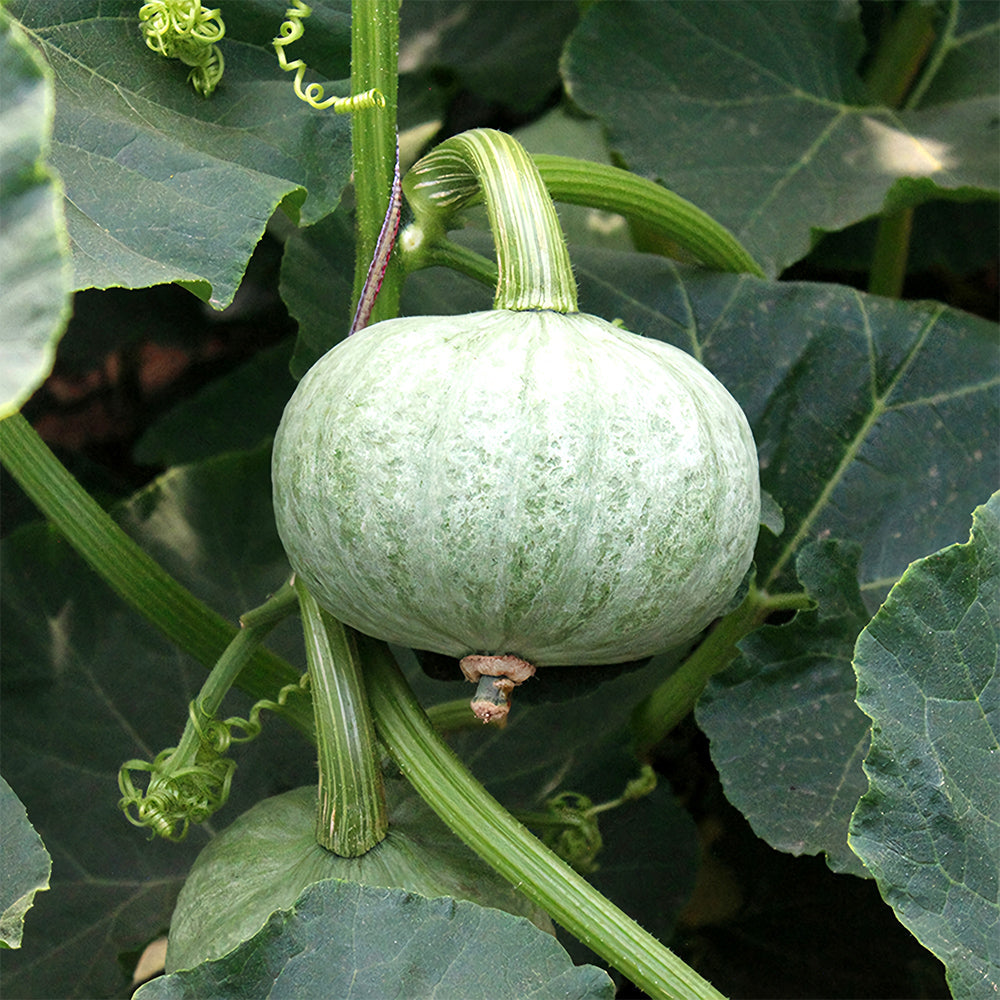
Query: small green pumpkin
[[535, 484]]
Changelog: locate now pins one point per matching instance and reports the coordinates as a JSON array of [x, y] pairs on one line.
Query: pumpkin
[[536, 487]]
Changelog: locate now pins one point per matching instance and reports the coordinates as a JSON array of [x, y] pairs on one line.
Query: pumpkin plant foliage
[[804, 762]]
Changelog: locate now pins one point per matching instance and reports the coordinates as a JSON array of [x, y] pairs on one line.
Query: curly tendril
[[569, 823], [186, 786], [185, 30], [290, 31]]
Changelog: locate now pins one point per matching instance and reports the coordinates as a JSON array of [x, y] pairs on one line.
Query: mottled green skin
[[531, 483]]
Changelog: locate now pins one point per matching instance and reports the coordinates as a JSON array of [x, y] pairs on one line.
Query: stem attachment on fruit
[[484, 164], [497, 676]]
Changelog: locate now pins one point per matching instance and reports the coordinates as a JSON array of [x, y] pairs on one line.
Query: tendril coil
[[183, 792], [572, 831], [291, 30], [185, 30]]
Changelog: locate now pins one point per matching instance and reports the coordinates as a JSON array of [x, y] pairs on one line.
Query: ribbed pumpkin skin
[[532, 483]]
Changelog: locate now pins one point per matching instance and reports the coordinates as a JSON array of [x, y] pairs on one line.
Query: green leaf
[[161, 184], [343, 939], [269, 856], [24, 867], [504, 51], [786, 734], [928, 826], [34, 271], [87, 685], [754, 112], [873, 418]]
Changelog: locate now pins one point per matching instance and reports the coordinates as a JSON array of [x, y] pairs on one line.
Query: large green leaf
[[342, 939], [269, 856], [754, 111], [34, 272], [163, 185], [929, 825], [88, 685], [792, 765], [24, 867], [504, 51]]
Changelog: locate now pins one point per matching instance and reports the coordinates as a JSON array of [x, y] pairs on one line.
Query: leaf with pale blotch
[[755, 112]]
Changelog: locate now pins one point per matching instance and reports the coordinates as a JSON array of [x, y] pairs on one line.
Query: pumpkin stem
[[497, 676], [491, 166]]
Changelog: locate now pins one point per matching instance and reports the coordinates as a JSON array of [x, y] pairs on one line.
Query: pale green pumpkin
[[531, 483]]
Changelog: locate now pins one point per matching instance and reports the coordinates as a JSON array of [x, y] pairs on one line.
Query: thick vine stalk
[[478, 819], [131, 572], [352, 816]]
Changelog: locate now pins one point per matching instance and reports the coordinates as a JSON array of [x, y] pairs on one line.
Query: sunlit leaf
[[755, 112]]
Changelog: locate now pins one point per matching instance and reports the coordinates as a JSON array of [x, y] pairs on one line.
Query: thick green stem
[[129, 571], [902, 53], [578, 182], [532, 259], [661, 711], [887, 273], [374, 57], [352, 816], [478, 819]]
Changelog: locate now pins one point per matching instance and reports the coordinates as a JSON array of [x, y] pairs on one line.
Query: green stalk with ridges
[[374, 54], [611, 189], [352, 816], [533, 262], [478, 819]]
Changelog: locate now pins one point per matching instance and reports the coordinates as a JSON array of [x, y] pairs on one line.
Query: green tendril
[[190, 782], [185, 30], [175, 796], [569, 825], [290, 31]]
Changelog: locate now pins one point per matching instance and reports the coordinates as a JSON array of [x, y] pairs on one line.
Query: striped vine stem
[[694, 232], [352, 816], [533, 262]]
